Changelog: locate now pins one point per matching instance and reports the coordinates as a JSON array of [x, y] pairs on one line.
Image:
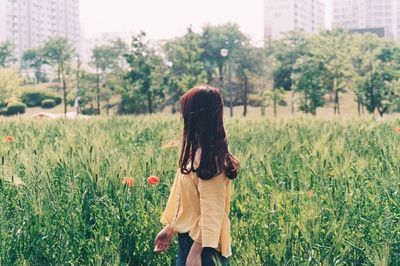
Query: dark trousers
[[209, 256]]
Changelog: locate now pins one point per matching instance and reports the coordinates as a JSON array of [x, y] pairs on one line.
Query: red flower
[[153, 180], [397, 130], [128, 181], [10, 139], [310, 193]]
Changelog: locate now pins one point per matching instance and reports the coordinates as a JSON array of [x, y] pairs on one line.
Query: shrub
[[253, 100], [15, 108], [89, 111], [33, 97], [48, 103], [283, 103]]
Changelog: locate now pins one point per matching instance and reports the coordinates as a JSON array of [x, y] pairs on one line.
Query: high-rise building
[[3, 22], [368, 15], [30, 23], [282, 16]]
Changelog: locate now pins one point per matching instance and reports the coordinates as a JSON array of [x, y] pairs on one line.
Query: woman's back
[[199, 202]]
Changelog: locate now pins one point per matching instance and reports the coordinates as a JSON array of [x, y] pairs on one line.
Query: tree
[[268, 65], [332, 49], [376, 63], [308, 81], [184, 54], [275, 96], [287, 51], [143, 75], [248, 65], [186, 68], [10, 81], [104, 60], [58, 51], [6, 54], [36, 59], [87, 92], [395, 99], [120, 48], [364, 49], [174, 91], [215, 38], [381, 80]]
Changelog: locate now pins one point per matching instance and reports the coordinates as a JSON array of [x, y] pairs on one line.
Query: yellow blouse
[[201, 207]]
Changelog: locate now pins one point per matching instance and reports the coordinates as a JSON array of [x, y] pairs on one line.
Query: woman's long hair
[[202, 110]]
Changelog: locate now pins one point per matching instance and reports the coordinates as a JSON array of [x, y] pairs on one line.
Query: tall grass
[[309, 192]]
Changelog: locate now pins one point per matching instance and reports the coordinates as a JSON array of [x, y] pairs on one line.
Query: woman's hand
[[163, 239], [194, 257]]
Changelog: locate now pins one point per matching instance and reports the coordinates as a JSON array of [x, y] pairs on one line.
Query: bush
[[89, 111], [253, 100], [3, 111], [15, 108], [283, 103], [48, 103], [34, 97]]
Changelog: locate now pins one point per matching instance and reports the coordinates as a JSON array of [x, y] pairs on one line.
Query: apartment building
[[30, 23], [368, 16], [286, 15]]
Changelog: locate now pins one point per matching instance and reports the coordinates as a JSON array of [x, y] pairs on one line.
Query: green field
[[310, 192]]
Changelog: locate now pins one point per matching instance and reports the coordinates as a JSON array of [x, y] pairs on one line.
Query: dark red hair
[[202, 109]]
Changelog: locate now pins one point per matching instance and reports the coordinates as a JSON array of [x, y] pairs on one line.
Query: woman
[[198, 205]]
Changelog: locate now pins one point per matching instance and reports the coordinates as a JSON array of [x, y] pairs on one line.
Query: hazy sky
[[168, 18]]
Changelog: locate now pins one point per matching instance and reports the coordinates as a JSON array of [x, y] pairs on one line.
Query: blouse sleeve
[[169, 212], [212, 207]]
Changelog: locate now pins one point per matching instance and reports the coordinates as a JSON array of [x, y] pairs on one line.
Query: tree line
[[319, 68], [305, 71]]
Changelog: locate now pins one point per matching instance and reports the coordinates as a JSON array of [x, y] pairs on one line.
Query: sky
[[162, 19]]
